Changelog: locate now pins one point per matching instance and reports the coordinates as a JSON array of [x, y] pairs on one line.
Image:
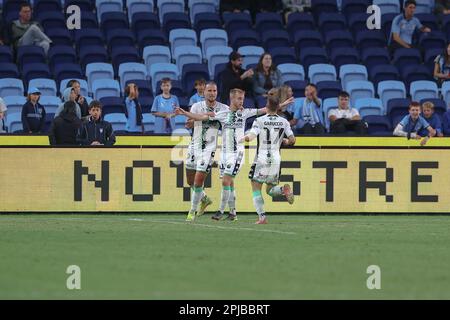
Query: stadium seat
[[85, 5], [434, 39], [352, 72], [60, 37], [187, 54], [148, 120], [298, 87], [105, 88], [414, 73], [30, 54], [406, 57], [169, 6], [105, 6], [204, 21], [375, 56], [156, 54], [313, 55], [215, 55], [89, 37], [144, 21], [113, 104], [320, 6], [138, 6], [251, 55], [241, 38], [6, 54], [307, 38], [358, 22], [146, 103], [131, 70], [386, 23], [397, 108], [145, 87], [369, 107], [36, 70], [321, 72], [113, 20], [14, 122], [14, 103], [338, 39], [51, 19], [343, 56], [211, 38], [423, 6], [282, 55], [47, 87], [327, 105], [124, 54], [370, 38], [391, 89], [182, 37], [200, 6], [265, 21], [383, 72], [8, 70], [192, 72], [175, 20], [117, 120], [378, 125], [92, 54], [423, 89], [11, 87], [354, 6], [237, 21], [88, 18], [83, 86], [163, 70], [299, 21], [291, 71], [360, 89], [61, 54], [332, 21], [98, 70], [328, 89], [388, 6], [119, 37], [275, 38], [151, 38], [180, 121], [50, 103]]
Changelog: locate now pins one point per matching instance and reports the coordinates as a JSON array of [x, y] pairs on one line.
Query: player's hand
[[286, 142], [211, 114], [81, 99], [287, 102], [418, 137], [179, 111], [189, 124]]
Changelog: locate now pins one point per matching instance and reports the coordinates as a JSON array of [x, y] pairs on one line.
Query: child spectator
[[64, 128], [163, 108], [199, 85], [433, 119], [134, 109], [411, 125], [69, 94], [33, 113], [95, 131], [308, 117], [3, 110]]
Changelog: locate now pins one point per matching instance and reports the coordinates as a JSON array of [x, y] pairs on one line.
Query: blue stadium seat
[[113, 20], [320, 6], [216, 55], [314, 55], [327, 105], [360, 89], [192, 72], [386, 23], [88, 18], [8, 70], [14, 122], [154, 37], [237, 21], [396, 109], [113, 104], [423, 89], [169, 6], [434, 39], [50, 103], [85, 5], [105, 88], [119, 37], [439, 105], [383, 72], [131, 70], [11, 87], [423, 6], [352, 72], [299, 21], [388, 6], [321, 72], [338, 39], [163, 70], [332, 21], [105, 6], [428, 20], [406, 57], [282, 55], [175, 20], [212, 37], [148, 120], [145, 87], [187, 54], [241, 38], [265, 21], [14, 103], [298, 87], [98, 70], [123, 54], [275, 38], [67, 70], [207, 21], [138, 6], [369, 107], [391, 89], [144, 21], [182, 37], [354, 6], [6, 54], [117, 120], [83, 86], [35, 70], [47, 87], [370, 38], [92, 54], [445, 91], [156, 54], [375, 56], [60, 37], [291, 71], [51, 19], [328, 89], [30, 54], [414, 73], [61, 54], [218, 68], [200, 6], [307, 38], [358, 22], [251, 55], [378, 125], [89, 36], [343, 56]]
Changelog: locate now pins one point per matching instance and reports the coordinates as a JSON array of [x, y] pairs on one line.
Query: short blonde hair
[[236, 91], [428, 104]]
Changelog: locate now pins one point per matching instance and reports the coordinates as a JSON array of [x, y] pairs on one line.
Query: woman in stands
[[134, 109], [266, 77], [442, 65]]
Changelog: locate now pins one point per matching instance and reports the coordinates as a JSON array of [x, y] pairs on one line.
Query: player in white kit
[[271, 131]]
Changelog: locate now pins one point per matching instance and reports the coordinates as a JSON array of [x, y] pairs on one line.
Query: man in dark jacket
[[33, 113], [95, 131], [235, 77], [64, 128]]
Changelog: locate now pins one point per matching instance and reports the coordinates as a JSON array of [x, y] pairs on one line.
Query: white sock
[[232, 201], [276, 191], [224, 199], [258, 202], [197, 194]]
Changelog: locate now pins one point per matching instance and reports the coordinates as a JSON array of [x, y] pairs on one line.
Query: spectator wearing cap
[[3, 110], [69, 94], [33, 113], [403, 27], [267, 76], [234, 76]]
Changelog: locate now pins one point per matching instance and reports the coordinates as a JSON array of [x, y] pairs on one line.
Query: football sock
[[196, 197], [224, 199], [232, 200], [276, 191], [258, 202]]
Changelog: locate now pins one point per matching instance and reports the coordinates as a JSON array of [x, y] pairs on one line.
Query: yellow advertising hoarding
[[152, 179]]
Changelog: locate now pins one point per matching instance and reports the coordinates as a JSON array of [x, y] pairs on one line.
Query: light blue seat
[[251, 55], [211, 38], [98, 70], [291, 71], [83, 86], [11, 87], [156, 54], [424, 6], [360, 89], [423, 89], [352, 72], [148, 120], [200, 6], [327, 105], [182, 37], [187, 54], [391, 89], [163, 70], [445, 90], [14, 122], [167, 6], [105, 88], [108, 6], [215, 56], [369, 106], [50, 103], [117, 120], [180, 121], [321, 72], [131, 71], [46, 86], [14, 103], [388, 6], [139, 6]]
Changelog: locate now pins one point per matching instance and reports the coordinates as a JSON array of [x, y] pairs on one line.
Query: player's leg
[[232, 203], [276, 191], [225, 195], [204, 167], [258, 202], [197, 194]]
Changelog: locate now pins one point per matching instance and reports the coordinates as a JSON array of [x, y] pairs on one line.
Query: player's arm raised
[[194, 116], [290, 141]]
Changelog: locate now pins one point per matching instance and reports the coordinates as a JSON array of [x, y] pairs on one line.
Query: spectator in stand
[[133, 109], [33, 113], [200, 86], [95, 131], [287, 102], [446, 123], [344, 118], [64, 128], [433, 119], [308, 117], [442, 65], [441, 7], [266, 77], [404, 26], [25, 31], [80, 100], [411, 125], [234, 6], [164, 107], [3, 110], [235, 77], [69, 94], [290, 6]]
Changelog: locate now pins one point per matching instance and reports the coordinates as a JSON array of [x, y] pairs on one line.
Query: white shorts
[[265, 170], [200, 161], [231, 164]]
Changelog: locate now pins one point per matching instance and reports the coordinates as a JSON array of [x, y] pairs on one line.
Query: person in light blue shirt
[[134, 109], [164, 108], [411, 124], [403, 27], [308, 117], [200, 86]]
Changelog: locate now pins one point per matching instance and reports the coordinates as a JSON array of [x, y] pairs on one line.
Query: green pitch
[[162, 257]]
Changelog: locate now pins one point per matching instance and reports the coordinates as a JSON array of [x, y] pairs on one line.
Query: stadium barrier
[[152, 179]]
